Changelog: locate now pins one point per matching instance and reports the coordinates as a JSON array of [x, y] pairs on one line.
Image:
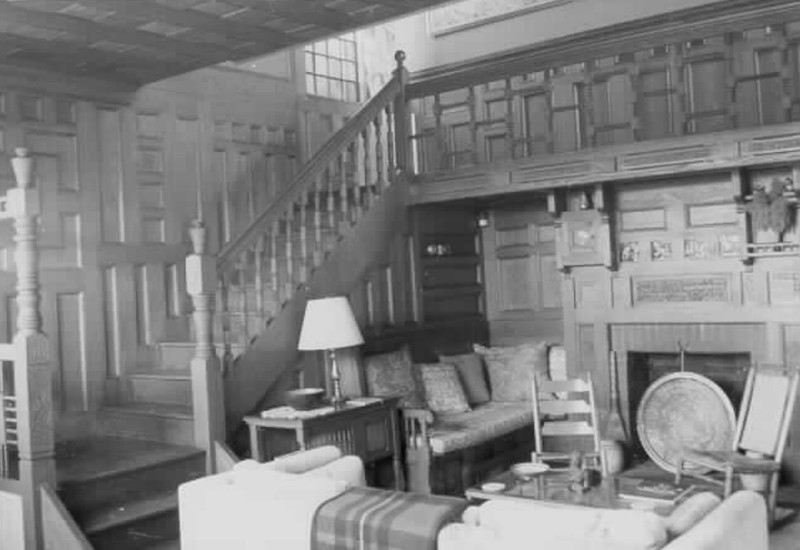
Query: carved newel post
[[401, 114], [207, 390], [33, 381]]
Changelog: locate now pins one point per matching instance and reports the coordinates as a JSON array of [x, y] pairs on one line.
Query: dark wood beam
[[89, 31], [269, 39]]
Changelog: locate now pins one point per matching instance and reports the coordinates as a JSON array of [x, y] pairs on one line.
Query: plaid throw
[[363, 518]]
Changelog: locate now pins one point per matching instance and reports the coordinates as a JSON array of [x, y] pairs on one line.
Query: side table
[[368, 428]]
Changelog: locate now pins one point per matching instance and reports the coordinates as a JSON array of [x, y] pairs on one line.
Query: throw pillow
[[689, 512], [511, 369], [470, 371], [393, 373], [443, 391]]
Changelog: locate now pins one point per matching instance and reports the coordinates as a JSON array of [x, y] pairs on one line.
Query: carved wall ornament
[[772, 209], [660, 250]]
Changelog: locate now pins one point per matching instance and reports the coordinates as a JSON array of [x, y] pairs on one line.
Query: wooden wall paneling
[[71, 357], [759, 59], [791, 356], [154, 174], [707, 84], [569, 108], [91, 235], [183, 189], [613, 100], [109, 130], [131, 224]]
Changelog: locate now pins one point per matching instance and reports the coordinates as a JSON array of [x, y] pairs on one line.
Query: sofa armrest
[[739, 523], [416, 423]]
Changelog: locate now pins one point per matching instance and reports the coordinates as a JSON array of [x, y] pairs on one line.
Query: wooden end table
[[368, 428]]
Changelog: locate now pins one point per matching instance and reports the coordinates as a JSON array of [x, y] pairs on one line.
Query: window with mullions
[[331, 68]]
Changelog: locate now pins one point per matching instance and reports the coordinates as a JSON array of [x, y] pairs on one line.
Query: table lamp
[[329, 324]]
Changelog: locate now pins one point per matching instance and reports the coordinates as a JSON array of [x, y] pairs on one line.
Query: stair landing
[[123, 491]]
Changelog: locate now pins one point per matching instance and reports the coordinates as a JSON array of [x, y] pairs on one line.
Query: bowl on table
[[304, 399]]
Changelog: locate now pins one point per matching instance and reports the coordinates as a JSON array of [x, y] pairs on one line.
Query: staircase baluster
[[304, 235], [441, 146], [367, 190], [380, 180], [225, 320], [259, 278], [360, 172], [343, 199], [331, 197], [319, 185], [288, 286], [244, 330], [390, 143], [273, 261]]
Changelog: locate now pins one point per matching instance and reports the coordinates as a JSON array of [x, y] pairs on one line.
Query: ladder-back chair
[[565, 409], [761, 431]]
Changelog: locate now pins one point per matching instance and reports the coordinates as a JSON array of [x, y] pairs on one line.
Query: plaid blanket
[[363, 518]]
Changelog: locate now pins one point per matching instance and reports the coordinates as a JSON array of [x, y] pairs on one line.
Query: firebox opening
[[728, 370]]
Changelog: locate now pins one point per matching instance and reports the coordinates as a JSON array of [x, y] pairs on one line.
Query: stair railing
[[27, 434], [260, 269]]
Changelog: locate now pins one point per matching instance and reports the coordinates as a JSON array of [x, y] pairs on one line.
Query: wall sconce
[[438, 249], [484, 219]]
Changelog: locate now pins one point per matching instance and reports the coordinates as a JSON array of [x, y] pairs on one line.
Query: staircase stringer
[[359, 252]]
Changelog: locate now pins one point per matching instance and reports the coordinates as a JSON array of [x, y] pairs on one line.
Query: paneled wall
[[677, 279], [120, 183], [548, 103]]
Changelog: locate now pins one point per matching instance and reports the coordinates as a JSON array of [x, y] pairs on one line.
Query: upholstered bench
[[467, 416]]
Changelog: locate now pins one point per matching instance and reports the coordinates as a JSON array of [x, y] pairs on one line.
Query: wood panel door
[[523, 285]]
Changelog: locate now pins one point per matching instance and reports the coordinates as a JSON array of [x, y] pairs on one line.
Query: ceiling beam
[[89, 31], [147, 9]]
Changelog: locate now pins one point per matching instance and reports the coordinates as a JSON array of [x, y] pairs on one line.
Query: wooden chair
[[565, 409], [761, 430]]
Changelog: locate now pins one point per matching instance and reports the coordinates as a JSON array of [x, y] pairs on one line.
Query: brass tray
[[680, 411]]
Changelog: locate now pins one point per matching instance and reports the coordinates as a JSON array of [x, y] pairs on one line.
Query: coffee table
[[552, 488]]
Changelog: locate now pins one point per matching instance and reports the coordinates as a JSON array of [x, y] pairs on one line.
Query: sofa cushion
[[689, 512], [574, 526], [393, 373], [451, 432], [511, 369], [472, 374], [443, 391]]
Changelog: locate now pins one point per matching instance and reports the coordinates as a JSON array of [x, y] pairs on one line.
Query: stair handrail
[[314, 167]]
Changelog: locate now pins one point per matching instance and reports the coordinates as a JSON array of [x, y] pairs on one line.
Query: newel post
[[207, 389], [401, 113], [33, 380]]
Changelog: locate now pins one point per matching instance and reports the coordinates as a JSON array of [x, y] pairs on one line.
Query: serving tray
[[680, 411]]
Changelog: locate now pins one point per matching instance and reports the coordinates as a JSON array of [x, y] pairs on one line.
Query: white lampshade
[[329, 323]]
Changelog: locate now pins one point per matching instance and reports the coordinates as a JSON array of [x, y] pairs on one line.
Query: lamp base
[[337, 400]]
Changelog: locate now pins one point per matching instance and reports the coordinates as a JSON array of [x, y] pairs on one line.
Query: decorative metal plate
[[684, 411]]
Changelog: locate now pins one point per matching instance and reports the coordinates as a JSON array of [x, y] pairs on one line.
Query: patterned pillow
[[391, 374], [470, 371], [443, 391], [511, 369]]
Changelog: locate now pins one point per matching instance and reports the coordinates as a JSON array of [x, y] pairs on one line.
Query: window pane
[[336, 89], [335, 68], [310, 88], [334, 48], [351, 92], [321, 47], [320, 65], [309, 63], [348, 70], [349, 51], [322, 85]]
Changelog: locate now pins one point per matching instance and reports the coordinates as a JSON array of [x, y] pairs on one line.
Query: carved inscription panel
[[700, 288]]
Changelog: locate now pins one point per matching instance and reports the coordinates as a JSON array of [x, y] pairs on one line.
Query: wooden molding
[[650, 32]]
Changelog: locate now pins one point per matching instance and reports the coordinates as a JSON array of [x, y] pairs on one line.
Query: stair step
[[106, 473], [104, 519], [169, 423], [168, 387], [155, 527]]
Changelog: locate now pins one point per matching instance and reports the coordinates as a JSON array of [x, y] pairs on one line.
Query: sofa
[[466, 414], [274, 505]]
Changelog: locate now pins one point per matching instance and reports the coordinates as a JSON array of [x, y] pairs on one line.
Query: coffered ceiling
[[134, 42]]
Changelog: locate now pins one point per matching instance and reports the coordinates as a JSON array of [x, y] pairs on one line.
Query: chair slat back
[[565, 408], [567, 427], [767, 409]]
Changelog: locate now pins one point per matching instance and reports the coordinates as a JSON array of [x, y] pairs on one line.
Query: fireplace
[[727, 370]]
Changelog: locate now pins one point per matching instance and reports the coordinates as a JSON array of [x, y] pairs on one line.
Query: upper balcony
[[708, 88]]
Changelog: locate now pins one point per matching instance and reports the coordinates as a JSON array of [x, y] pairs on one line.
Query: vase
[[613, 455]]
